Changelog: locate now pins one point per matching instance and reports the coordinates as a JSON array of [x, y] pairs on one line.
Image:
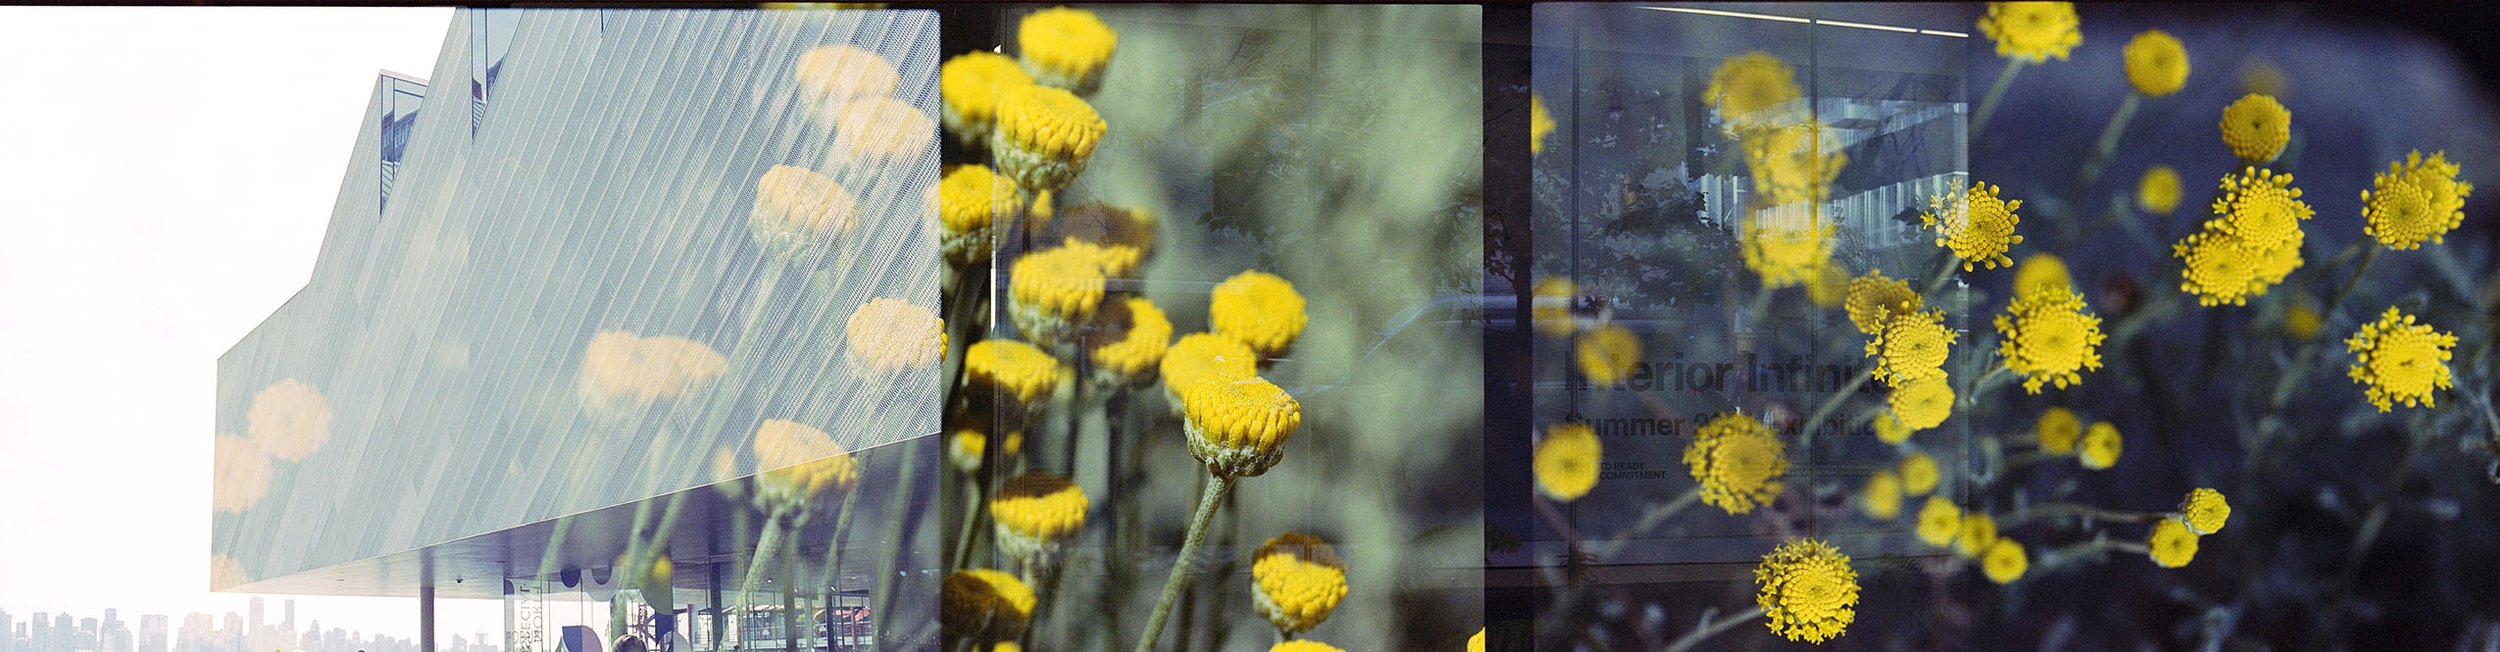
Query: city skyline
[[44, 631]]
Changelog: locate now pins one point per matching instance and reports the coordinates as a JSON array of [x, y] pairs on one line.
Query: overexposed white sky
[[166, 174]]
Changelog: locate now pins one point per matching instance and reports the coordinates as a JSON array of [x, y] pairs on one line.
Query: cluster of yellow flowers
[[1972, 535], [2173, 540], [2252, 243], [2414, 200], [1786, 238]]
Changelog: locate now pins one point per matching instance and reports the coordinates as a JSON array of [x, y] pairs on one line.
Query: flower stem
[[1179, 579], [1650, 518], [1713, 627], [1996, 93], [2044, 510], [2108, 144]]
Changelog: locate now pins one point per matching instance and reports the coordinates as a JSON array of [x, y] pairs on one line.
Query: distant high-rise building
[[8, 639], [290, 617], [86, 635], [152, 633]]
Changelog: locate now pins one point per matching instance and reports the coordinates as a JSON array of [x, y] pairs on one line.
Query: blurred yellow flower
[[1052, 292], [2058, 429], [2399, 361], [2005, 561], [226, 572], [1199, 355], [1476, 643], [2256, 128], [1829, 288], [1045, 136], [2260, 209], [1296, 580], [1238, 426], [1131, 339], [1738, 461], [1923, 402], [1874, 299], [1976, 224], [2157, 63], [242, 474], [2204, 510], [1303, 645], [1550, 306], [969, 85], [2101, 446], [973, 202], [1566, 461], [2048, 338], [1890, 429], [798, 210], [833, 75], [288, 420], [1912, 345], [982, 604], [621, 370], [1607, 354], [1939, 522], [802, 459], [1743, 89], [2158, 192], [2032, 31], [1979, 531], [1919, 474], [1786, 252], [2418, 199], [2302, 321], [1034, 512], [2172, 544], [1540, 124], [968, 447], [1807, 590], [1881, 500], [879, 129], [1017, 369], [1792, 163], [2041, 272], [1260, 309], [1125, 236], [888, 335], [1067, 48]]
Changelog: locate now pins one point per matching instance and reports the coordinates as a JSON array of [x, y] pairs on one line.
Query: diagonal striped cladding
[[596, 288]]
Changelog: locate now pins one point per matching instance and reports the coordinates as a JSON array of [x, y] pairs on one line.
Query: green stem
[[2045, 510], [766, 547], [2108, 144], [1714, 627], [1996, 93], [1656, 514], [1179, 579]]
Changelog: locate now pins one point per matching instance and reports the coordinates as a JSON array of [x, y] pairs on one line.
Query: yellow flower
[[983, 604], [1296, 580], [1045, 136], [1791, 164], [2302, 321], [2048, 338], [1738, 461], [969, 446], [2032, 31], [1607, 354], [2222, 269], [1745, 87], [969, 85], [1874, 299], [2256, 128], [1787, 252], [1303, 645], [1067, 48], [799, 211], [800, 463], [2005, 561], [1977, 225], [1808, 591], [1913, 345], [1132, 338], [1919, 474], [1476, 643], [1052, 292], [1034, 512], [2261, 209], [2399, 361], [1550, 306], [1979, 531], [972, 202], [1939, 522], [2157, 63], [1238, 426], [288, 420], [833, 75], [2101, 446], [1923, 402], [1260, 309], [1566, 461], [2058, 429], [1890, 429], [2414, 200], [1020, 370], [1829, 288], [1124, 236], [878, 129], [1882, 498], [889, 335], [2158, 192], [1200, 355], [622, 371], [2172, 544], [2204, 511], [1540, 124], [2041, 272]]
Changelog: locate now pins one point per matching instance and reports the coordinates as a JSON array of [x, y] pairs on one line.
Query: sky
[[165, 178]]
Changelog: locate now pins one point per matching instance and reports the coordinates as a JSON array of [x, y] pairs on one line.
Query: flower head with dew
[[969, 85], [1551, 310], [288, 420], [2057, 430], [1923, 402], [1566, 461], [2399, 361], [833, 75], [1303, 645], [2256, 128], [1015, 369], [2049, 339], [1260, 309], [2042, 272], [1881, 500], [2171, 544], [1067, 48], [2204, 510], [1793, 163], [1979, 530], [887, 336], [801, 464], [1296, 580], [1607, 354], [2101, 446], [2004, 562], [2159, 190], [1920, 474], [1976, 224], [1874, 299], [1034, 513], [2032, 31], [800, 212], [2260, 209], [1890, 429], [1540, 124], [1750, 89], [1129, 340], [1045, 136], [1237, 427], [968, 446], [1738, 461], [1125, 235], [973, 202], [1807, 590], [2414, 200], [984, 605], [1912, 345], [622, 372], [1939, 522], [2157, 63], [1787, 251], [882, 129], [1053, 292]]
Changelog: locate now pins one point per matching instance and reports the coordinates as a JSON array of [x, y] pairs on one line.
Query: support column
[[425, 602]]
